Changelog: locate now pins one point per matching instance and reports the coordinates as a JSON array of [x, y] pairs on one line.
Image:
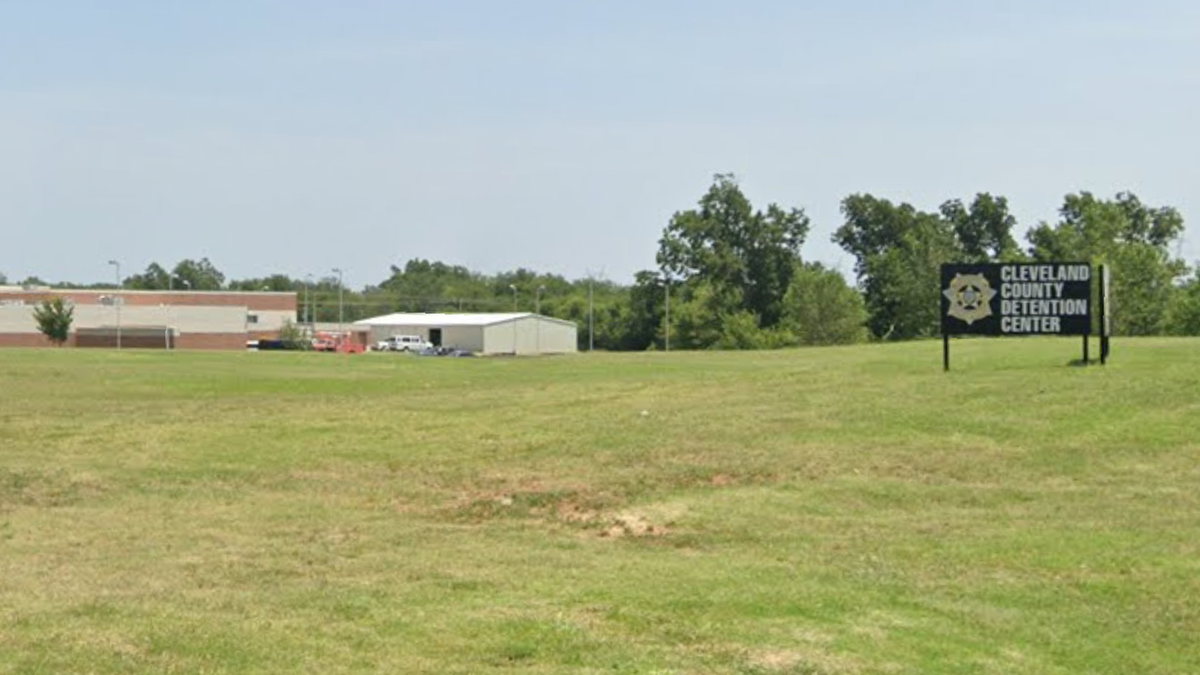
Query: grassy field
[[825, 511]]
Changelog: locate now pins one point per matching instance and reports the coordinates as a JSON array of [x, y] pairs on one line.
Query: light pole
[[188, 285], [341, 305], [167, 313], [117, 299]]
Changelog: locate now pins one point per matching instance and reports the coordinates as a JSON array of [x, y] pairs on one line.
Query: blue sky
[[296, 137]]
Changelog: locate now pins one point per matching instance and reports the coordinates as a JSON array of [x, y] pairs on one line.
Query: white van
[[403, 343]]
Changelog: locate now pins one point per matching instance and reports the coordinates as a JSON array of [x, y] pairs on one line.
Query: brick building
[[149, 319]]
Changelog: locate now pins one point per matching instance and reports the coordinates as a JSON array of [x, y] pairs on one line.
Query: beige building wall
[[17, 320], [268, 320], [556, 337], [192, 327], [469, 338], [530, 335], [498, 338]]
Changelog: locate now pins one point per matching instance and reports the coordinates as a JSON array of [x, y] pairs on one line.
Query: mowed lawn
[[821, 511]]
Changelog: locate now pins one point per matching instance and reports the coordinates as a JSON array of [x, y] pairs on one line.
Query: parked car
[[403, 343], [324, 342], [333, 342], [445, 351]]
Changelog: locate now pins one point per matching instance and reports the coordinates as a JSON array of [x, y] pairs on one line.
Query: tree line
[[899, 251], [731, 276]]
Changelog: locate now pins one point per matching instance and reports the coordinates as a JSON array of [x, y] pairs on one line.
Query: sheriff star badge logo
[[970, 297]]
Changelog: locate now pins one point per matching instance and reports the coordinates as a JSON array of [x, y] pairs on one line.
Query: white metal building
[[504, 333]]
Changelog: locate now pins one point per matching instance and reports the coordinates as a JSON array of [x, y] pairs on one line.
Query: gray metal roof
[[442, 320]]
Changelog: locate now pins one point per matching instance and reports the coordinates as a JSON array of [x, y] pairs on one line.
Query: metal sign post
[[1105, 319]]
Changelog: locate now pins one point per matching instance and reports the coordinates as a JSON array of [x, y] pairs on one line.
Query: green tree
[[984, 229], [1089, 228], [1143, 283], [54, 318], [293, 337], [425, 286], [740, 330], [698, 316], [747, 256], [613, 323], [554, 290], [899, 253], [155, 278], [1183, 311], [278, 283], [1134, 240], [642, 316], [820, 308], [199, 275]]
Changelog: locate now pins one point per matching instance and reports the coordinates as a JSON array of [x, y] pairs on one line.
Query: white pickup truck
[[403, 343]]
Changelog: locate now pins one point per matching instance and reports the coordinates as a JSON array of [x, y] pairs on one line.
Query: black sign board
[[1017, 299]]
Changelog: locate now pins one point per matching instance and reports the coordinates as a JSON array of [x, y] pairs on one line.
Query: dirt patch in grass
[[649, 521], [633, 525], [529, 499], [595, 513]]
